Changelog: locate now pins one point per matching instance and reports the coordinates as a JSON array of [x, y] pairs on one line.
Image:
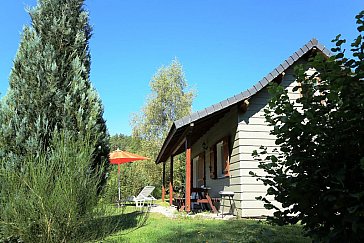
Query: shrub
[[319, 173], [52, 196]]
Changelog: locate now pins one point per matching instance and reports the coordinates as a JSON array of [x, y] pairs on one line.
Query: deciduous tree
[[170, 100]]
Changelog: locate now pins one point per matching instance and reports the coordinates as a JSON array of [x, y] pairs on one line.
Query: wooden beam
[[244, 105], [166, 142], [179, 143], [188, 176], [164, 181], [182, 139], [171, 182]]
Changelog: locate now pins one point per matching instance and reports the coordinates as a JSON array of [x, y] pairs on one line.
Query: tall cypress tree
[[50, 85]]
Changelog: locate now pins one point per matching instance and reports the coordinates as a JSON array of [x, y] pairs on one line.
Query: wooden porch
[[202, 200], [183, 134], [191, 195]]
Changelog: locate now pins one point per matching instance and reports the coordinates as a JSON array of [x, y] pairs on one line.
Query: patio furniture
[[223, 195], [143, 197], [199, 196], [121, 157], [179, 202], [204, 197]]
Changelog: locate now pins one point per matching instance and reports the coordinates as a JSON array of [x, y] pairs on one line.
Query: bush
[[52, 196], [318, 176]]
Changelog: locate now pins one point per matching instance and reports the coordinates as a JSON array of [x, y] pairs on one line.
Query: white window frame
[[220, 163]]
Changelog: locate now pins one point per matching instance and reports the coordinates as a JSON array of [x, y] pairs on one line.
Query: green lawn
[[134, 226]]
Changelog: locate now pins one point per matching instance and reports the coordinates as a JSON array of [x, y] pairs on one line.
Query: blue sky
[[224, 46]]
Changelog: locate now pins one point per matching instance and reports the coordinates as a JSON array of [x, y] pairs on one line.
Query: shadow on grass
[[234, 231], [104, 226]]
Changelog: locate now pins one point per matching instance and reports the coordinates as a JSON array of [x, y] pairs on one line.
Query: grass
[[153, 227]]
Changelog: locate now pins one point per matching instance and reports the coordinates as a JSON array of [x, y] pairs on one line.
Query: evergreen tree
[[50, 85], [124, 142]]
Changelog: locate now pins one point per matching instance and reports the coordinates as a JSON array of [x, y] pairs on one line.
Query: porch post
[[204, 168], [188, 176], [171, 183], [164, 181]]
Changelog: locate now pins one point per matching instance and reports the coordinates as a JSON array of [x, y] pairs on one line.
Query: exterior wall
[[252, 133], [248, 132], [226, 126]]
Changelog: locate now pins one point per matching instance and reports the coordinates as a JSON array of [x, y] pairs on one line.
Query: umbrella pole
[[119, 194]]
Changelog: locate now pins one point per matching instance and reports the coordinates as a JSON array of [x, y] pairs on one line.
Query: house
[[220, 139]]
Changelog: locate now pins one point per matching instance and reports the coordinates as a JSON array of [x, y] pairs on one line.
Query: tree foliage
[[53, 138], [124, 142], [49, 84], [170, 100], [318, 175], [53, 197], [130, 182]]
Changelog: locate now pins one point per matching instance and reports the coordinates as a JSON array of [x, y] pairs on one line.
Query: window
[[219, 159], [198, 170]]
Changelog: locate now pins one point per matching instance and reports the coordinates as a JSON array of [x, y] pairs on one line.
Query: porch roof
[[201, 121]]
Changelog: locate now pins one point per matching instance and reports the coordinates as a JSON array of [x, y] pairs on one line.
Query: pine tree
[[50, 86]]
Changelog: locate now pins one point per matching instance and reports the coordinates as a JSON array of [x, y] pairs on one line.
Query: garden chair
[[143, 197]]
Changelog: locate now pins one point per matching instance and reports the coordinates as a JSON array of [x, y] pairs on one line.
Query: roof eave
[[170, 135], [278, 71]]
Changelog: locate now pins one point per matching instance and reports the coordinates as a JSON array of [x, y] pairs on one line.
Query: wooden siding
[[248, 132], [253, 132], [226, 126]]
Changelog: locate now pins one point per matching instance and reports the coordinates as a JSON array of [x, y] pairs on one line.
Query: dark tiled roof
[[179, 124], [257, 87]]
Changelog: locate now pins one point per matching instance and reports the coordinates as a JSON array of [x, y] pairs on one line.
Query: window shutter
[[226, 156], [213, 165]]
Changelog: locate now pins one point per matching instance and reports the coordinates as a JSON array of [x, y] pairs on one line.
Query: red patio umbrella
[[121, 157]]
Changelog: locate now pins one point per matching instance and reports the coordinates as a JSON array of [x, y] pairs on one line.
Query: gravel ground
[[172, 212]]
